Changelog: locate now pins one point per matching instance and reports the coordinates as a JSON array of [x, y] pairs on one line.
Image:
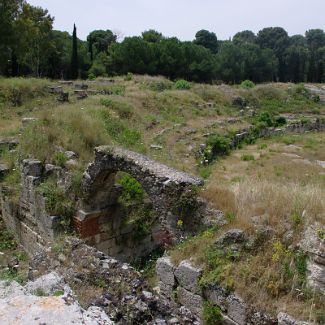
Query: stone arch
[[164, 186]]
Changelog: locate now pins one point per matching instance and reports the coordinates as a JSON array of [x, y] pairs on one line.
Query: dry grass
[[279, 201]]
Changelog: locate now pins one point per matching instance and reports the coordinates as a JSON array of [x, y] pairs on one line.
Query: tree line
[[30, 46]]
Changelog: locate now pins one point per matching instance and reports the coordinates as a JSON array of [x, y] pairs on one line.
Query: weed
[[263, 146], [7, 240], [182, 85], [205, 171], [76, 183], [230, 216], [10, 276], [60, 159], [58, 293], [22, 256], [56, 201], [296, 220], [247, 157], [212, 314], [58, 248], [39, 292], [321, 234]]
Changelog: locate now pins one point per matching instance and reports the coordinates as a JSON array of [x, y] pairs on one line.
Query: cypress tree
[[74, 57]]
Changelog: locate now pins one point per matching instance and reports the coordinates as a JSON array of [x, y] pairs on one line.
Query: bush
[[97, 69], [247, 84], [91, 76], [279, 121], [212, 314], [265, 117], [132, 189], [128, 77], [56, 201], [182, 85], [216, 145]]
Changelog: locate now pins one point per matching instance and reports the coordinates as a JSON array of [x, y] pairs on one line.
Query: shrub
[[212, 314], [76, 183], [216, 145], [279, 121], [182, 85], [97, 69], [132, 189], [56, 201], [262, 146], [160, 85], [129, 76], [266, 118], [247, 84], [91, 76], [60, 159], [247, 157]]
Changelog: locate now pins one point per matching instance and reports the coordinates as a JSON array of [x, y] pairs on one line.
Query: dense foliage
[[30, 46]]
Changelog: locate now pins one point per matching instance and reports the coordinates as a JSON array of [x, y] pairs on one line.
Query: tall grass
[[15, 91]]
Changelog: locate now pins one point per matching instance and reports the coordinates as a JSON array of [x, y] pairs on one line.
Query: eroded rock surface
[[103, 282], [35, 304]]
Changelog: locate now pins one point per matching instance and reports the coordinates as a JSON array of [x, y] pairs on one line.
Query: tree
[[276, 39], [99, 41], [296, 57], [74, 57], [33, 30], [207, 39], [152, 36], [9, 11], [244, 37], [315, 39]]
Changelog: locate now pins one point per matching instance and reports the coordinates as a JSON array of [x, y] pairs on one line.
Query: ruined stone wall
[[180, 283], [26, 217], [163, 185], [100, 220]]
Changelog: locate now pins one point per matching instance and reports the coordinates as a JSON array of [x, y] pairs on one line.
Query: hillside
[[271, 187]]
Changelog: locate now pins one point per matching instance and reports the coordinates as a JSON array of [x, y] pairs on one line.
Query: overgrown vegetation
[[57, 203], [138, 210], [255, 180]]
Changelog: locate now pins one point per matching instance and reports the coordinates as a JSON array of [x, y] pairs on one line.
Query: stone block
[[190, 300], [4, 169], [188, 276], [26, 121], [165, 271], [285, 319], [217, 295], [32, 167], [166, 290], [237, 310]]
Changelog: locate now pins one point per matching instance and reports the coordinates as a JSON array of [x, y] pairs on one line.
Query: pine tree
[[74, 57]]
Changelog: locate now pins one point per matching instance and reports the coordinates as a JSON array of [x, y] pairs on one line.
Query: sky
[[183, 18]]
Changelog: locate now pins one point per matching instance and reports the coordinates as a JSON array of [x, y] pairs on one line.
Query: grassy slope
[[257, 180]]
